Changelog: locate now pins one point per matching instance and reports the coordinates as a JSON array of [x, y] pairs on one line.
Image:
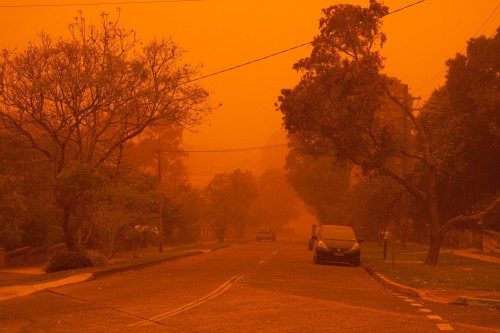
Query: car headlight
[[355, 247], [322, 245]]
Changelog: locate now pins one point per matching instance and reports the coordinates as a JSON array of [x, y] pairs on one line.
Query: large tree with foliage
[[12, 214], [341, 195], [318, 182], [467, 150], [276, 204], [371, 207], [340, 107], [27, 209], [227, 199], [124, 204], [157, 151], [81, 98]]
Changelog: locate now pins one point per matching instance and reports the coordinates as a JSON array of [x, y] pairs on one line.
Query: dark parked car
[[336, 244], [265, 233]]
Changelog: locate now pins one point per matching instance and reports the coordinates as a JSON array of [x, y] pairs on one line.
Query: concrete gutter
[[478, 302], [110, 270], [391, 285], [451, 298], [10, 292], [24, 290]]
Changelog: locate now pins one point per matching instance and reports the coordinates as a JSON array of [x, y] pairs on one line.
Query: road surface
[[252, 287]]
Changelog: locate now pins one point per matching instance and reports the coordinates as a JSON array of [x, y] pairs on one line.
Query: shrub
[[68, 260], [97, 258]]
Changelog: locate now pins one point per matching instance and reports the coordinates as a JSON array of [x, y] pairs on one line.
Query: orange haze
[[225, 33]]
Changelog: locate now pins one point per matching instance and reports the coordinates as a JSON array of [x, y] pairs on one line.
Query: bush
[[97, 258], [68, 260]]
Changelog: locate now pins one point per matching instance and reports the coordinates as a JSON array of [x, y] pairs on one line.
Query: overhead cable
[[291, 48], [227, 150], [463, 48], [97, 3]]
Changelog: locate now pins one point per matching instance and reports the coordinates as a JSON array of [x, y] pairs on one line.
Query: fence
[[486, 240], [491, 241], [27, 255]]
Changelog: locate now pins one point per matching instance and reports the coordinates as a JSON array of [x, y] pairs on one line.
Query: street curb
[[478, 302], [388, 284], [24, 290], [417, 293], [113, 270], [9, 292]]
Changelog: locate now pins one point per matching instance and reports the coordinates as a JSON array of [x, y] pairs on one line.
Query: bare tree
[[80, 99]]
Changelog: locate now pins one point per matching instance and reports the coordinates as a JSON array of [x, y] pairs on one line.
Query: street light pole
[[160, 192]]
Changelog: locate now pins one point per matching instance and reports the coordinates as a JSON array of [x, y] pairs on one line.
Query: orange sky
[[225, 33]]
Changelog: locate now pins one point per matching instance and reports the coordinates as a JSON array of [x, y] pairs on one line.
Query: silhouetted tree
[[467, 151], [318, 182], [81, 98], [227, 199], [276, 204], [337, 109]]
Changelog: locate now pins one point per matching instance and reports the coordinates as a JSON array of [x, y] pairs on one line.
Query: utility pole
[[160, 195], [405, 223]]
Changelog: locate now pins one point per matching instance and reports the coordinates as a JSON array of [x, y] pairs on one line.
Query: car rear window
[[337, 233]]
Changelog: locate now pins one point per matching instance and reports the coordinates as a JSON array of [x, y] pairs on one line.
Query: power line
[[486, 21], [223, 70], [97, 3], [444, 68], [291, 48], [228, 150], [220, 71], [258, 60], [403, 8], [248, 63]]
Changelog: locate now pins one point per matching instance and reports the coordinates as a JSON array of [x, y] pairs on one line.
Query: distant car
[[336, 244], [265, 233]]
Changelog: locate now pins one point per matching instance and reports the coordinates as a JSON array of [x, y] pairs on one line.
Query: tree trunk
[[69, 237], [404, 235], [435, 229], [222, 232], [405, 217], [433, 252], [134, 243]]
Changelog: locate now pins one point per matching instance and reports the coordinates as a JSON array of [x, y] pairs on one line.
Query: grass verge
[[453, 272]]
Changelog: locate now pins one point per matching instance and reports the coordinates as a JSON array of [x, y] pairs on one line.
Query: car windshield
[[338, 234]]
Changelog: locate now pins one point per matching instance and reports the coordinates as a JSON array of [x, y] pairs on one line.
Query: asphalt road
[[253, 287]]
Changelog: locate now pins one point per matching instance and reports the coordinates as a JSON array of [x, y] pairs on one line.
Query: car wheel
[[356, 263]]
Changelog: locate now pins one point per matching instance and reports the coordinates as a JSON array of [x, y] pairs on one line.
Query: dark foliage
[[68, 260]]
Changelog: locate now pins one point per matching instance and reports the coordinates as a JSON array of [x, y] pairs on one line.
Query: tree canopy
[[227, 199], [467, 149], [276, 204], [318, 182], [344, 107], [82, 98]]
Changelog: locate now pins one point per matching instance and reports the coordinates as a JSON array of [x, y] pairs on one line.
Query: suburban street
[[251, 287]]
